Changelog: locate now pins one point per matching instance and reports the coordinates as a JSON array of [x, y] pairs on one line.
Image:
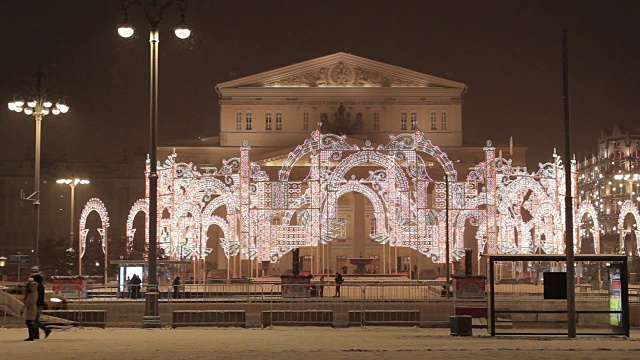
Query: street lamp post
[[72, 184], [39, 104], [153, 10]]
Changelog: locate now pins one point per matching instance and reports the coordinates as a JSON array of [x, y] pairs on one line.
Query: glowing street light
[[72, 184], [39, 104], [153, 11]]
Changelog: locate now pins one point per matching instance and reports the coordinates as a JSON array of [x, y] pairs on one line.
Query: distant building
[[610, 181], [118, 184]]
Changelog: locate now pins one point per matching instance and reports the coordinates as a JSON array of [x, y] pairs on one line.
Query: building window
[[305, 121], [443, 120], [278, 121], [342, 232], [238, 120], [267, 120], [403, 121], [414, 121], [376, 121], [372, 226], [248, 119], [434, 121]]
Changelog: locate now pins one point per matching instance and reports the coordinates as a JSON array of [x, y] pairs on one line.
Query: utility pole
[[571, 290]]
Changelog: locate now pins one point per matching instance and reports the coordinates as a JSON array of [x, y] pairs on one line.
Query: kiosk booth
[[168, 269]]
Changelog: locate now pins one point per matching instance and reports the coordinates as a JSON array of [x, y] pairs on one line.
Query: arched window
[[414, 120], [267, 120], [305, 121], [248, 120], [443, 120], [376, 121], [434, 120], [342, 232], [238, 120], [403, 121], [278, 121]]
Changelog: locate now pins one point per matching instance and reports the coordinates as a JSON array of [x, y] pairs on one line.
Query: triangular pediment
[[341, 70]]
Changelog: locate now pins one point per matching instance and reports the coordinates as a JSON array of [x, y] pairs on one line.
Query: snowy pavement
[[304, 343]]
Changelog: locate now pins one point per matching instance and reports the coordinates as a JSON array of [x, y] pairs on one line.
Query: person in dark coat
[[40, 303], [30, 309], [321, 285], [176, 287], [135, 286], [339, 281]]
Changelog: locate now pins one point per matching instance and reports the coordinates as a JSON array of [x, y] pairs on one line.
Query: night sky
[[507, 52]]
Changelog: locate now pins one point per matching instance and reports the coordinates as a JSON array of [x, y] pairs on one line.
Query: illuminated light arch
[[552, 230], [190, 231], [314, 144], [96, 205], [207, 221], [142, 205], [626, 208], [587, 208], [208, 186], [461, 220], [373, 157], [417, 142], [378, 207]]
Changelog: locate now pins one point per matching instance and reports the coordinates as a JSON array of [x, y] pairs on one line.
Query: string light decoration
[[511, 210], [96, 205]]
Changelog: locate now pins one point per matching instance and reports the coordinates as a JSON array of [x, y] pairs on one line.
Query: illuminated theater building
[[276, 111]]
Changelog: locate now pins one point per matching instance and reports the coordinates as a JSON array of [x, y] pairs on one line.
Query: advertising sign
[[470, 287], [615, 295]]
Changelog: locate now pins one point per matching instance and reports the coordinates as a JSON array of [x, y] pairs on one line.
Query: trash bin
[[460, 325]]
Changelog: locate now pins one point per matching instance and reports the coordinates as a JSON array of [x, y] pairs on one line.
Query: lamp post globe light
[[154, 11], [37, 103], [72, 184]]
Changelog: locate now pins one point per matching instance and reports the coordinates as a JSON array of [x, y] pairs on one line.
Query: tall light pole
[[153, 11], [38, 103], [571, 290], [72, 184]]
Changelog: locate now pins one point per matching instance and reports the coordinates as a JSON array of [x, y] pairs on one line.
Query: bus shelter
[[528, 294]]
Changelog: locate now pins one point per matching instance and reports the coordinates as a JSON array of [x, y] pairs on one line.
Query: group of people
[[134, 285], [34, 302], [320, 287]]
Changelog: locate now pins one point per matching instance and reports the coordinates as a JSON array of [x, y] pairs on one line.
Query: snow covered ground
[[304, 343]]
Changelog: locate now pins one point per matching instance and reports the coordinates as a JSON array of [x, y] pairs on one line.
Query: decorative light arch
[[96, 205], [587, 208], [626, 208], [142, 205]]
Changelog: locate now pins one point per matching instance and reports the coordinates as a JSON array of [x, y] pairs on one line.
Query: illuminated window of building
[[305, 121], [267, 120], [414, 121], [248, 120], [434, 121], [278, 121], [443, 121], [403, 121], [238, 120], [342, 233]]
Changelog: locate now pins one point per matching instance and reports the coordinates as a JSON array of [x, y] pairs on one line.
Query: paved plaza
[[305, 343]]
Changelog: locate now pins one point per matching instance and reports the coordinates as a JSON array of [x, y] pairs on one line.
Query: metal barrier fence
[[261, 305]]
